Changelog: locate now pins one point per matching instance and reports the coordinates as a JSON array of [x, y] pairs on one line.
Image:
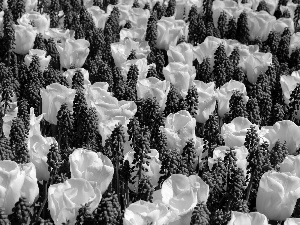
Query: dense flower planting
[[145, 112]]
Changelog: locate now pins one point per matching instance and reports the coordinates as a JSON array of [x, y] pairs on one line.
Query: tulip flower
[[142, 212], [16, 181], [123, 10], [40, 21], [295, 42], [88, 3], [255, 64], [280, 24], [59, 35], [271, 4], [206, 100], [53, 97], [230, 7], [284, 131], [183, 8], [139, 17], [71, 72], [179, 128], [121, 50], [234, 133], [1, 20], [288, 84], [292, 221], [141, 65], [65, 199], [93, 167], [152, 167], [137, 34], [290, 6], [180, 75], [168, 32], [73, 52], [181, 53], [34, 123], [277, 195], [31, 5], [153, 87], [44, 61], [98, 15], [7, 121], [25, 36], [291, 164], [241, 154], [208, 48], [260, 24], [38, 147], [181, 194], [224, 94], [253, 218], [106, 128], [108, 106]]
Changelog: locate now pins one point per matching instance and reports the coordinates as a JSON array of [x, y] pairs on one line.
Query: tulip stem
[[45, 200], [249, 187], [117, 174], [53, 130], [127, 194], [220, 123]]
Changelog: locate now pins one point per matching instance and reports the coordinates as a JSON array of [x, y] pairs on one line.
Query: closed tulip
[[181, 53], [34, 123], [93, 167], [181, 194], [280, 24], [59, 35], [168, 32], [292, 221], [137, 34], [38, 147], [99, 16], [73, 52], [44, 61], [253, 218], [152, 167], [141, 64], [121, 50], [53, 97], [284, 131], [153, 87], [225, 92], [255, 64], [277, 195], [17, 181], [260, 24], [179, 128], [142, 212], [288, 84], [65, 199], [7, 120], [106, 128], [291, 164], [71, 72], [206, 100], [40, 21], [180, 75], [25, 36], [234, 133]]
